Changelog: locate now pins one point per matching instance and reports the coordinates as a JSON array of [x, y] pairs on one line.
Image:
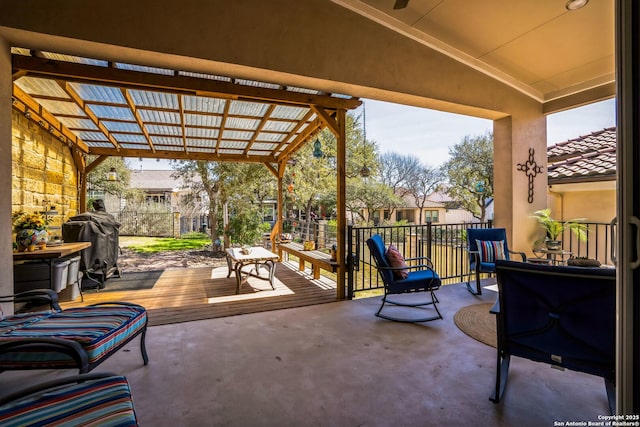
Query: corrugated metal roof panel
[[143, 69], [291, 113], [202, 133], [257, 153], [203, 104], [93, 136], [73, 123], [228, 151], [205, 76], [279, 126], [233, 144], [238, 123], [302, 90], [62, 107], [169, 147], [99, 144], [121, 126], [272, 137], [127, 137], [136, 146], [164, 130], [99, 93], [202, 120], [244, 108], [109, 112], [159, 116], [145, 98], [203, 150], [237, 135], [191, 142], [37, 86], [76, 59], [166, 140], [264, 146], [21, 51], [255, 83]]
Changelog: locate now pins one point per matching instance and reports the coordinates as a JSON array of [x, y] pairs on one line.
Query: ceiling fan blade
[[401, 4]]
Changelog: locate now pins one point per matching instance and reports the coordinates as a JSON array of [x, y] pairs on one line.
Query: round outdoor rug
[[476, 321]]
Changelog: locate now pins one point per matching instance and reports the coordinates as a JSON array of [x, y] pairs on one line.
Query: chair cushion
[[105, 402], [395, 259], [490, 250], [99, 329]]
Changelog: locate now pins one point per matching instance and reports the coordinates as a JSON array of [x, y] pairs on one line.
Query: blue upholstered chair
[[482, 258], [558, 315], [419, 278]]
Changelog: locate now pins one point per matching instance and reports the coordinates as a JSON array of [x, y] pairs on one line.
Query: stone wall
[[43, 172]]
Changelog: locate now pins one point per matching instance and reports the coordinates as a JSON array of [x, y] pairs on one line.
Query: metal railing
[[321, 232], [446, 246], [156, 224]]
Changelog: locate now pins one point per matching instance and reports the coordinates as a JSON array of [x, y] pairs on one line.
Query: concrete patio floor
[[336, 364]]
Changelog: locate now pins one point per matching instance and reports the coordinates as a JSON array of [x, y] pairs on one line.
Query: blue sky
[[428, 134]]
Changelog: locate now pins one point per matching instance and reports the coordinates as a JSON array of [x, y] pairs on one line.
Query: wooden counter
[[57, 251]]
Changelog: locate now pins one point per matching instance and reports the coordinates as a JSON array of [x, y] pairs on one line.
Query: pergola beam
[[66, 87], [136, 115], [181, 155], [108, 76]]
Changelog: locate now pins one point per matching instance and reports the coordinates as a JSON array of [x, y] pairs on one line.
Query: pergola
[[107, 109]]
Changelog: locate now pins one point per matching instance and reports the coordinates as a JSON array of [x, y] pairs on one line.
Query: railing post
[[429, 239]]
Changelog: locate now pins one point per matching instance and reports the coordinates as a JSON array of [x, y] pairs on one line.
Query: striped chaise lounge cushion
[[100, 400], [99, 329]]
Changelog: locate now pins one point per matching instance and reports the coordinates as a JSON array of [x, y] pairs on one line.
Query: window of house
[[431, 216]]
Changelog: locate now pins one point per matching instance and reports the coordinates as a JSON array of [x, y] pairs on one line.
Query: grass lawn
[[160, 244]]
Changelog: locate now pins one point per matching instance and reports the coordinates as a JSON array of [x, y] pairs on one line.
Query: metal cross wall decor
[[531, 169]]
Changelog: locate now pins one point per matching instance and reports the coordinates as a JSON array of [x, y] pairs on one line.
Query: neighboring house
[[438, 209], [582, 177]]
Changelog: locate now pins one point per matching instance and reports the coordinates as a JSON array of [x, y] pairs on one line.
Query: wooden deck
[[182, 295]]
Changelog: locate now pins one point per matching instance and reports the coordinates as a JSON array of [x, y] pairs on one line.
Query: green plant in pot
[[554, 228]]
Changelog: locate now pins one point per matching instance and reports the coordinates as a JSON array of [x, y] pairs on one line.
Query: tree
[[425, 182], [239, 186], [314, 179], [398, 172], [367, 197], [98, 178], [470, 173]]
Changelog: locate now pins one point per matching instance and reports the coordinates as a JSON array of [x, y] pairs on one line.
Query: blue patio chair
[[558, 315], [417, 278], [485, 246]]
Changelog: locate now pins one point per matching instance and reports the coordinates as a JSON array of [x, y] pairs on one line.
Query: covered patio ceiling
[[118, 109]]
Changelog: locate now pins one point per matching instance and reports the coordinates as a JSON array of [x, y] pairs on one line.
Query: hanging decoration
[[317, 149], [531, 169]]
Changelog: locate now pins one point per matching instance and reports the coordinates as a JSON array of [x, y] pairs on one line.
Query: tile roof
[[584, 159]]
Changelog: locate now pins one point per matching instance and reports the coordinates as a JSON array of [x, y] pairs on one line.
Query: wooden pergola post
[[341, 205]]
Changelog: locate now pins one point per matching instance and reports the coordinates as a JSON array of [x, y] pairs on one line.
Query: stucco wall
[[595, 206], [43, 170]]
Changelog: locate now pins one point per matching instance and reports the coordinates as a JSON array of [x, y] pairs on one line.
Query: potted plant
[[30, 229], [554, 228]]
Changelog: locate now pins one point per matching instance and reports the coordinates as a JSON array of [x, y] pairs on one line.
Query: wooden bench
[[317, 259]]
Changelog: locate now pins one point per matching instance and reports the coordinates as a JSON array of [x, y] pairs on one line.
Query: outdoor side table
[[554, 257], [257, 257]]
